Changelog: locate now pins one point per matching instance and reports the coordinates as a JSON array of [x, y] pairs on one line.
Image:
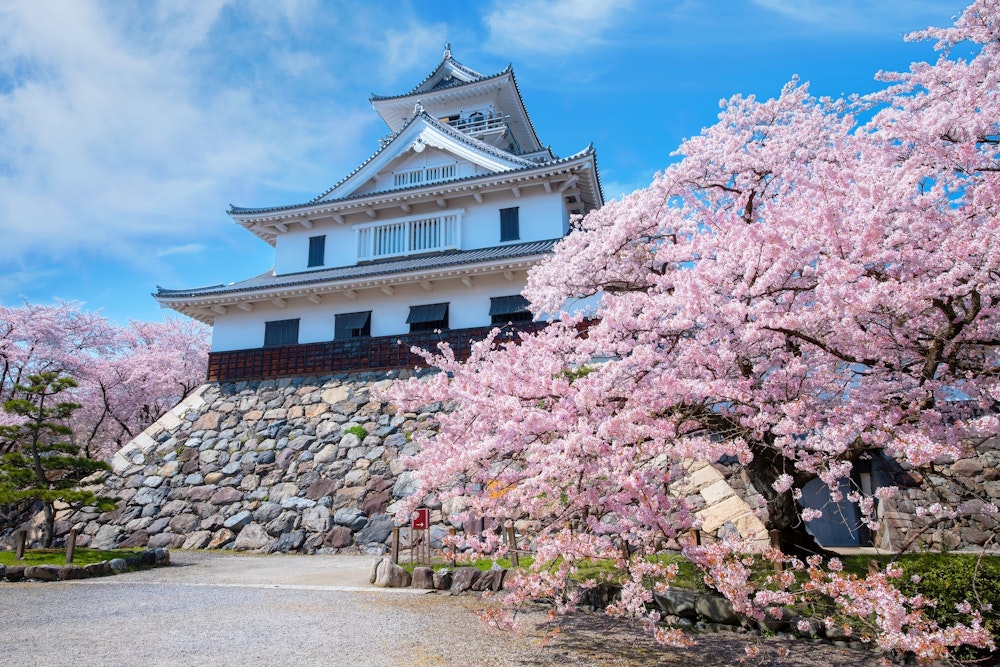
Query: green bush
[[953, 578]]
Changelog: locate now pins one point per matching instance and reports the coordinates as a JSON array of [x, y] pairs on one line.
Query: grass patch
[[605, 570], [58, 556], [483, 564]]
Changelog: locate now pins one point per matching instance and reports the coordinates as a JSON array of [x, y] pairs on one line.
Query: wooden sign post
[[420, 536]]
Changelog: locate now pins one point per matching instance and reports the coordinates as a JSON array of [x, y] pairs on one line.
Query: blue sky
[[128, 127]]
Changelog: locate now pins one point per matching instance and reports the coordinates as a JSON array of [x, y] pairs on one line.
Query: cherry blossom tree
[[128, 376], [814, 282]]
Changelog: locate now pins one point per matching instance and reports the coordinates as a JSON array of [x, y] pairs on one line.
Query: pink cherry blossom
[[814, 281]]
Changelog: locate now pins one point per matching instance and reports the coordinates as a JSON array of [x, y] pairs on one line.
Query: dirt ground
[[226, 609]]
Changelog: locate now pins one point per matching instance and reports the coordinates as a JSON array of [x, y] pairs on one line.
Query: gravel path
[[221, 609]]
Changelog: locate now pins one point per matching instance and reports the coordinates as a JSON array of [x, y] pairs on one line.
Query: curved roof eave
[[416, 90], [236, 210], [270, 285]]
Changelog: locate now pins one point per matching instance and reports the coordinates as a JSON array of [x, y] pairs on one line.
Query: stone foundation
[[301, 464], [314, 465]]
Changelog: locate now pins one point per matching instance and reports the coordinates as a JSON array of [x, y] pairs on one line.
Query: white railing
[[426, 175], [479, 124], [409, 236]]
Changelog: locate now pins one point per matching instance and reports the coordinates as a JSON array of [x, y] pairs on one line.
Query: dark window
[[317, 247], [509, 224], [352, 325], [281, 332], [504, 309], [428, 318]]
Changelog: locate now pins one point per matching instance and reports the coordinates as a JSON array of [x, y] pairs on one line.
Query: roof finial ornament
[[418, 108], [447, 50]]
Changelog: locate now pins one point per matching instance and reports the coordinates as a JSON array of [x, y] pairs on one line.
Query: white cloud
[[186, 249], [122, 127], [551, 27], [859, 16]]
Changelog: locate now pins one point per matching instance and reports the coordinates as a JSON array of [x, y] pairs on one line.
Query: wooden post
[[71, 546], [512, 546], [775, 536], [22, 535], [395, 545], [454, 548]]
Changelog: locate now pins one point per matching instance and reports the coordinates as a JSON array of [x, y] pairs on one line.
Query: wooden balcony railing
[[410, 236], [344, 356]]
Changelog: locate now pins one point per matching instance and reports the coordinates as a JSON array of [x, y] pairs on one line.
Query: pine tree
[[39, 463]]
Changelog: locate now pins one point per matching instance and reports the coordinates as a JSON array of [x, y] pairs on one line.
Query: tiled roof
[[383, 268], [529, 165], [476, 77]]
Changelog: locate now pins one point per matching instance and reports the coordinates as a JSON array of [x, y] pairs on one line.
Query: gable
[[411, 169], [423, 145]]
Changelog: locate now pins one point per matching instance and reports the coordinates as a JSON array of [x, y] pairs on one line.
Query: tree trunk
[[784, 514]]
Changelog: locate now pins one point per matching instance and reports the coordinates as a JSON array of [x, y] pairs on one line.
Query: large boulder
[[717, 609], [677, 602], [42, 572], [423, 577], [390, 575], [464, 578]]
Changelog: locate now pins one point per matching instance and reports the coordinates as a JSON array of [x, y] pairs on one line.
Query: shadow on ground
[[596, 639]]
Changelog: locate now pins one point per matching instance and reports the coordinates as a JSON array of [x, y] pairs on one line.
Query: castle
[[428, 239]]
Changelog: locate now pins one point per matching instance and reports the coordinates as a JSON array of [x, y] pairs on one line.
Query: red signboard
[[421, 519]]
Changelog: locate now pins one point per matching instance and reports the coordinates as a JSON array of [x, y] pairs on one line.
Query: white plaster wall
[[468, 307], [541, 215]]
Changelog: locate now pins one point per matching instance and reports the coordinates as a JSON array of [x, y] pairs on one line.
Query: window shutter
[[317, 249], [352, 325], [509, 224], [504, 309], [281, 332], [428, 318]]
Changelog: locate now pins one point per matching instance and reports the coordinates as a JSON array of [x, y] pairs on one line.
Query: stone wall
[[314, 465], [301, 464], [967, 485]]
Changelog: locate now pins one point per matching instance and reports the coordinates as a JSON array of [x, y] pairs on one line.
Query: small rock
[[378, 529], [101, 569], [222, 538], [290, 541], [214, 477], [226, 495]]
